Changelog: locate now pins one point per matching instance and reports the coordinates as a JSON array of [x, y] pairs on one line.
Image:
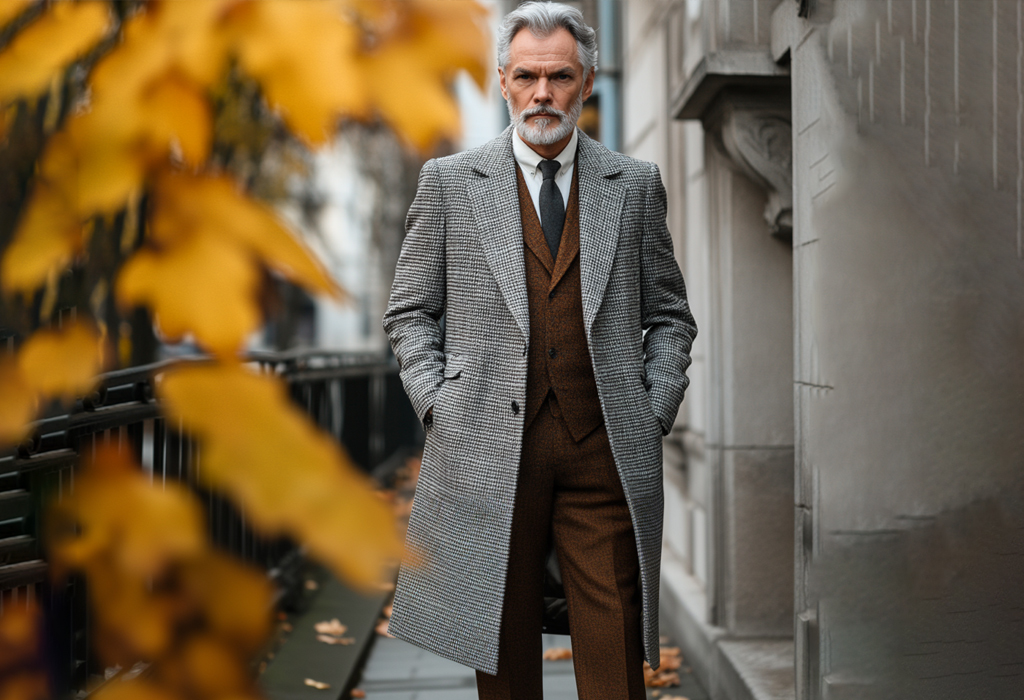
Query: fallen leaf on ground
[[666, 675], [328, 639], [661, 679], [312, 585], [557, 654], [382, 629], [333, 627], [358, 693], [671, 658], [319, 685]]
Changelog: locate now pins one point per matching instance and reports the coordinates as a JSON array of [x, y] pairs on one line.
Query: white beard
[[544, 132]]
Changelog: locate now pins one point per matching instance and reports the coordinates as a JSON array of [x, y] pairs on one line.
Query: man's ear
[[588, 84], [501, 83]]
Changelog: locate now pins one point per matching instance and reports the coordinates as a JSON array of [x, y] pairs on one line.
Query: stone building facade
[[844, 480]]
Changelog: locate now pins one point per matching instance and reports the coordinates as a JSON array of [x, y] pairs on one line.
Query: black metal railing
[[357, 398]]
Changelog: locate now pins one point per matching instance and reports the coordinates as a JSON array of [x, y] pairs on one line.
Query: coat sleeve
[[665, 313], [412, 320]]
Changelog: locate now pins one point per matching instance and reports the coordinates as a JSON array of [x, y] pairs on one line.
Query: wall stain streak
[[956, 86], [995, 94], [1020, 124], [927, 81], [903, 80]]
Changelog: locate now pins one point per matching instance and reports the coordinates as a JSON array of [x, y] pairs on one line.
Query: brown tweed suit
[[568, 488]]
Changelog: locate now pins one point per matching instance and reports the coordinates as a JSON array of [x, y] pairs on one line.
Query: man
[[547, 390]]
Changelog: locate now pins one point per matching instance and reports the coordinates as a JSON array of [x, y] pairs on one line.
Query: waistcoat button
[[552, 353], [515, 407]]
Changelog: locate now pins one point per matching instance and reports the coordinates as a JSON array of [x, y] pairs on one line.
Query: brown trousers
[[570, 491]]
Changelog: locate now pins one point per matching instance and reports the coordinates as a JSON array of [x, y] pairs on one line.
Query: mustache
[[542, 110]]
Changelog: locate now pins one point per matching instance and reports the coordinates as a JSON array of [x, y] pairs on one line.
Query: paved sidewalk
[[399, 671]]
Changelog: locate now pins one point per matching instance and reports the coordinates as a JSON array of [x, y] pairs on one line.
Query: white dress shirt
[[529, 162]]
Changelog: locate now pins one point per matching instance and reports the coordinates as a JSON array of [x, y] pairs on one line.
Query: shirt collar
[[529, 159]]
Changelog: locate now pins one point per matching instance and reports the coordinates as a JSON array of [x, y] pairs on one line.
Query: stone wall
[[909, 299]]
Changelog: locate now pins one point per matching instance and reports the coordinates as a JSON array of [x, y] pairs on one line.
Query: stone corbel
[[760, 142]]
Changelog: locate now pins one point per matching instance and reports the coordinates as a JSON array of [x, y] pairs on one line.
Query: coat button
[[515, 407], [552, 353], [551, 296]]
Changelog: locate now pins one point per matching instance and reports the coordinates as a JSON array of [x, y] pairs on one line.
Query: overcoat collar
[[496, 207]]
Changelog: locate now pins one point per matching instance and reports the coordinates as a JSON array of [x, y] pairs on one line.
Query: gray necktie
[[552, 208]]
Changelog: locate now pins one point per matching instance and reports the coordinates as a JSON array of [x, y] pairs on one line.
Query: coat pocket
[[453, 367]]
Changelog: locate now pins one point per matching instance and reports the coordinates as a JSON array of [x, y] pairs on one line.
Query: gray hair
[[543, 19]]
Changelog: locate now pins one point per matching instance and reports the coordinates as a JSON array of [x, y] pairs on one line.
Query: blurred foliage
[[134, 134]]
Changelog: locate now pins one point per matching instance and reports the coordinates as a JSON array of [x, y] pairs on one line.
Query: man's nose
[[542, 95]]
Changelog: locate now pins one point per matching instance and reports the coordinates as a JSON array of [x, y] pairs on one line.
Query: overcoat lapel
[[600, 209], [496, 208]]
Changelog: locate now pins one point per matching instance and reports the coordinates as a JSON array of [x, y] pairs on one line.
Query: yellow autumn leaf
[[47, 237], [209, 668], [114, 527], [174, 112], [43, 48], [132, 621], [193, 34], [236, 600], [18, 402], [294, 479], [201, 285], [417, 58], [102, 156], [62, 362], [147, 99], [143, 53], [117, 512], [186, 205], [9, 9], [89, 167], [301, 52], [436, 114]]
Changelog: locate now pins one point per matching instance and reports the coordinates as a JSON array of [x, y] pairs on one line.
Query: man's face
[[544, 85]]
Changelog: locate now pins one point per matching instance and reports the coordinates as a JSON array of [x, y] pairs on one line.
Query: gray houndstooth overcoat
[[463, 259]]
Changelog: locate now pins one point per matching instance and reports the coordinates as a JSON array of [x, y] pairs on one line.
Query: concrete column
[[750, 436]]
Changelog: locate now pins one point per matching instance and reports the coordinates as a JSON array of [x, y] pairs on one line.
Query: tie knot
[[549, 168]]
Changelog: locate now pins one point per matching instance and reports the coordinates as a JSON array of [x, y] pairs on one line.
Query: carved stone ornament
[[761, 144]]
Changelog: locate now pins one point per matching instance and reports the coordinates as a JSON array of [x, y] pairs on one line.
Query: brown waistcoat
[[559, 360]]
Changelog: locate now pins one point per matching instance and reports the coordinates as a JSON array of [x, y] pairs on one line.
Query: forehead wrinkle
[[558, 47]]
